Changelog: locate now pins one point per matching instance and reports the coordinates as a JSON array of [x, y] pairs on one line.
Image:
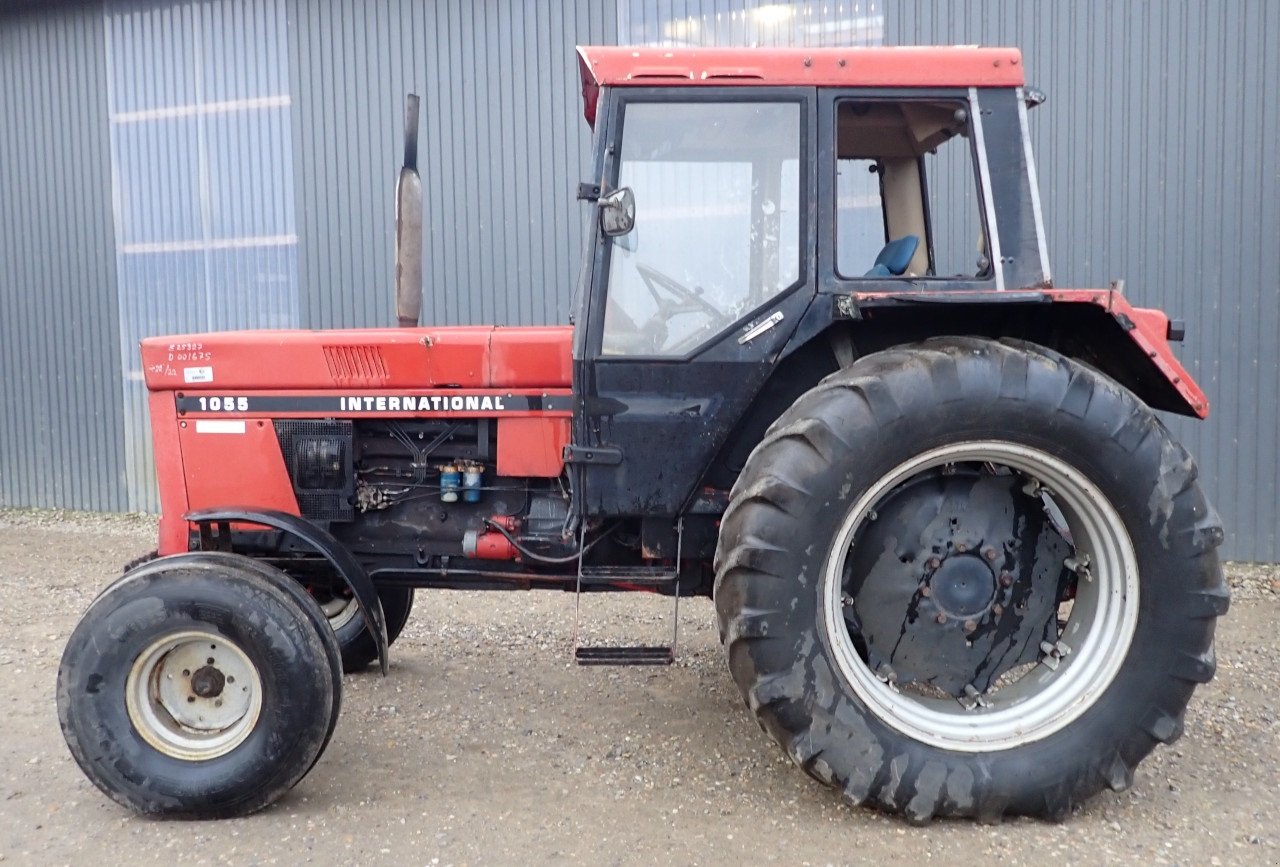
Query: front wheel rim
[[193, 695], [1046, 699]]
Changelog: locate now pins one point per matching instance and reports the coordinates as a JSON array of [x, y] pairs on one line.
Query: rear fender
[[1168, 385], [347, 566], [1099, 326]]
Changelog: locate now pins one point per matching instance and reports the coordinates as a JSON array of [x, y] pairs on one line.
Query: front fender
[[347, 566]]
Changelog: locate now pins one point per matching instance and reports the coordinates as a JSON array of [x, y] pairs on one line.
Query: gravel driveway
[[487, 745]]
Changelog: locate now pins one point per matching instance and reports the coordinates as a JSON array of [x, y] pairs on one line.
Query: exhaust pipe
[[409, 224]]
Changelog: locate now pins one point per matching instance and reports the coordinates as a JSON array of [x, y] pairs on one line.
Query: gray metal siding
[[202, 175], [502, 144], [60, 407]]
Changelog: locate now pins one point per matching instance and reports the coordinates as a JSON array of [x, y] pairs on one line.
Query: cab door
[[689, 310]]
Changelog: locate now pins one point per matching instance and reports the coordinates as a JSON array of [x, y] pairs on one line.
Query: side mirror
[[618, 212]]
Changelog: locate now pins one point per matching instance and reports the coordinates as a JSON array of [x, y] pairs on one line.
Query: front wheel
[[199, 685], [967, 578]]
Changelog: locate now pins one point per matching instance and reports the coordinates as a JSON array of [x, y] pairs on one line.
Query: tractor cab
[[749, 197]]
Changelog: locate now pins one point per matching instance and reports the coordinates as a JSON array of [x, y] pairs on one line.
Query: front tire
[[968, 578], [198, 686]]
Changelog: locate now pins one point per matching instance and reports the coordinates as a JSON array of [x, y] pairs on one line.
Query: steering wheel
[[688, 300]]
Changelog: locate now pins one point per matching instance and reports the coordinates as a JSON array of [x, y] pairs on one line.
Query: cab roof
[[907, 66]]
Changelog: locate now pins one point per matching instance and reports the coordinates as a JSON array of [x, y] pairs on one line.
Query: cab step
[[640, 576], [639, 655]]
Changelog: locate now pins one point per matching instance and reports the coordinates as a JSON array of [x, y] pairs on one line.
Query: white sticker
[[219, 426], [197, 374]]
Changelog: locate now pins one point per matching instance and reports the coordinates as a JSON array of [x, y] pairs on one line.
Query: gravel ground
[[487, 745]]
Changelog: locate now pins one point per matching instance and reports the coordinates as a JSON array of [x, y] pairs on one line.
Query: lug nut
[[969, 626], [997, 609], [926, 591], [941, 618], [934, 562], [961, 547], [989, 553], [1006, 580]]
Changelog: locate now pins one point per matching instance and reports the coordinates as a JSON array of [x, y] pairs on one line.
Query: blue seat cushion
[[895, 257]]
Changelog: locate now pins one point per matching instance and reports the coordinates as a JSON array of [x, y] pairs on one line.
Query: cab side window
[[907, 203]]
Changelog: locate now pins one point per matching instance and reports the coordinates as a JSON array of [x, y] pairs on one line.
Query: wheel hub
[[963, 586], [956, 581], [208, 682]]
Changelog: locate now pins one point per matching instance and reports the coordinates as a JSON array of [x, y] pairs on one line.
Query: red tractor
[[817, 371]]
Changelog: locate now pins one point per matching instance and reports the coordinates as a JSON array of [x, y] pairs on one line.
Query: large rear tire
[[968, 578], [199, 686]]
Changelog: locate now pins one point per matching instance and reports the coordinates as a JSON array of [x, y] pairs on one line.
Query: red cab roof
[[914, 66]]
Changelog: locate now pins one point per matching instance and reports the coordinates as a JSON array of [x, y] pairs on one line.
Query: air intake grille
[[356, 365], [318, 455]]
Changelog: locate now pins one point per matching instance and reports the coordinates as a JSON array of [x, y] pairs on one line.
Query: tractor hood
[[376, 358]]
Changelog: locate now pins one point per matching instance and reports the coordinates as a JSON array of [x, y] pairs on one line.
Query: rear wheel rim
[[193, 695], [1045, 699]]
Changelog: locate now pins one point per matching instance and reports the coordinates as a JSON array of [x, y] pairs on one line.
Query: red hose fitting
[[510, 523]]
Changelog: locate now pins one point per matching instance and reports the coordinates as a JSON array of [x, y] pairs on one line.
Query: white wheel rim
[[193, 695], [340, 611], [1099, 630]]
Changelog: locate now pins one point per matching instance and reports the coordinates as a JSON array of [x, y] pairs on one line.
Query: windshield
[[717, 221]]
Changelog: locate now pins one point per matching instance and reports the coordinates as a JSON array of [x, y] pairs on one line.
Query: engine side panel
[[532, 446], [234, 461]]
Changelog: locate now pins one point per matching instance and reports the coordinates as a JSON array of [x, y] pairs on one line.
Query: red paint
[[235, 469], [494, 546], [531, 357], [386, 358], [456, 357], [169, 475], [1150, 332], [914, 66], [531, 446]]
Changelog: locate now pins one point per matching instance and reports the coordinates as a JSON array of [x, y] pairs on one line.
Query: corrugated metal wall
[[202, 176], [1156, 154], [502, 144], [60, 407]]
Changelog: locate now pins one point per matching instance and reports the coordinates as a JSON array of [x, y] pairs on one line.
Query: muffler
[[409, 224]]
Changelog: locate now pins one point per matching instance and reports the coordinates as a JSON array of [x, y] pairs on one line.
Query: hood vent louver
[[361, 366]]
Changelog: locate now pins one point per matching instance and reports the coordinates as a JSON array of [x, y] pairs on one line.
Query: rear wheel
[[967, 578], [199, 686]]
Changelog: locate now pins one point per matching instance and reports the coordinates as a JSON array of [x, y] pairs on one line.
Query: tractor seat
[[895, 257]]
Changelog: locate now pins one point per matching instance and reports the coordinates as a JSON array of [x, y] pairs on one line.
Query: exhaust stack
[[409, 224]]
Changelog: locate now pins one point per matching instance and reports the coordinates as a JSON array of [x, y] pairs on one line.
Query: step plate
[[639, 575], [624, 655]]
